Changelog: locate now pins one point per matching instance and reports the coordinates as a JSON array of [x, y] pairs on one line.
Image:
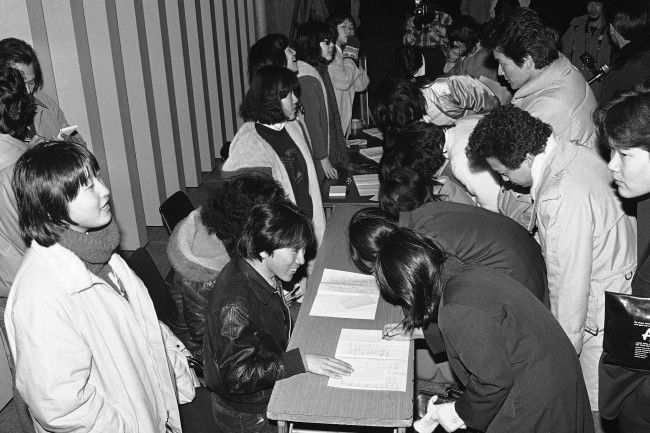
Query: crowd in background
[[513, 196]]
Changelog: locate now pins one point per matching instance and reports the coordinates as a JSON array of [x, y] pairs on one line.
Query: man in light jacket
[[588, 241]]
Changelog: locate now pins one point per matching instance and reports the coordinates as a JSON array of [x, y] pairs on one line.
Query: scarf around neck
[[94, 248]]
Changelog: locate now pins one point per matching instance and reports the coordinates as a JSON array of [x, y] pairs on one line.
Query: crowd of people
[[513, 196]]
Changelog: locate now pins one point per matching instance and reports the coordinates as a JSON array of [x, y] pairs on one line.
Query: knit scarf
[[95, 249]]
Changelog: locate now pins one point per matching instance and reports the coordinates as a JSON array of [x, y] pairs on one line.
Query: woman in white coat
[[89, 351], [272, 138]]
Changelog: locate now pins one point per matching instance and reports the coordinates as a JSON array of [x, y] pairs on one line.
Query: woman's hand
[[328, 168], [397, 332], [326, 366]]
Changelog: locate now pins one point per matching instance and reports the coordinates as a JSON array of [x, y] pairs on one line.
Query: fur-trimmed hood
[[193, 252]]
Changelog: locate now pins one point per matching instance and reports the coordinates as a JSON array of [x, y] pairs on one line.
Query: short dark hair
[[46, 178], [405, 190], [630, 18], [227, 207], [419, 146], [271, 226], [397, 104], [464, 29], [523, 34], [506, 7], [334, 20], [408, 270], [623, 120], [13, 51], [508, 134], [268, 50], [262, 103], [307, 42], [367, 227], [17, 107]]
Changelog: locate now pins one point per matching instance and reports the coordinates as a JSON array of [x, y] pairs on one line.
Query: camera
[[589, 62]]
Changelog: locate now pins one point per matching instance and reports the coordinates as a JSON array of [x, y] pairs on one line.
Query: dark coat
[[197, 258], [246, 336], [519, 369], [483, 238], [630, 67], [622, 389]]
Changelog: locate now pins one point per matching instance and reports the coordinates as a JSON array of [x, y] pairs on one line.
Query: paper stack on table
[[373, 153], [378, 364], [346, 294], [375, 132], [359, 142], [367, 184]]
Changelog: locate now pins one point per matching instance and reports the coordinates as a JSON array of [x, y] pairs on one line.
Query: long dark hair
[[408, 271], [17, 107], [14, 51], [367, 228]]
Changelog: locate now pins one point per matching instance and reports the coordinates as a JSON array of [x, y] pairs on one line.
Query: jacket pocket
[[617, 281]]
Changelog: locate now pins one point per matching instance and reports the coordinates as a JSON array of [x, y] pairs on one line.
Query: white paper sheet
[[367, 184], [346, 295], [378, 364], [374, 153], [375, 132]]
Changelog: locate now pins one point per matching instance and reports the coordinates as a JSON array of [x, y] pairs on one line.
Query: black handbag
[[626, 341]]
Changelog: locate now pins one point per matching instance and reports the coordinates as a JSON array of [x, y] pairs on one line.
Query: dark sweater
[[293, 162]]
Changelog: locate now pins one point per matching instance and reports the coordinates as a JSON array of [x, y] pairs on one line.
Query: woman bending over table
[[519, 369]]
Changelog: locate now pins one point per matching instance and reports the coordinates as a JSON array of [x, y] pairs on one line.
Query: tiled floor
[[157, 247]]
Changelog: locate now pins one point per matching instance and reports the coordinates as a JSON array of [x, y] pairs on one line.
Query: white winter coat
[[88, 360]]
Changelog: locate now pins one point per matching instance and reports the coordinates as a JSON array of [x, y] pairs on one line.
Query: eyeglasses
[[327, 41]]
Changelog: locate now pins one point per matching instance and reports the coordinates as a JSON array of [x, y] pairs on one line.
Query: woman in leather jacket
[[203, 243], [248, 322]]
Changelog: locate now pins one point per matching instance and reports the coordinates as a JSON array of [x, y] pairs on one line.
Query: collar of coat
[[69, 268], [257, 283], [182, 253], [550, 74]]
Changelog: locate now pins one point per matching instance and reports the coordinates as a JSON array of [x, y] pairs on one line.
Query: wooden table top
[[306, 397]]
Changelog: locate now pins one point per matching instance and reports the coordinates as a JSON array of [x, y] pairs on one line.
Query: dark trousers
[[234, 421]]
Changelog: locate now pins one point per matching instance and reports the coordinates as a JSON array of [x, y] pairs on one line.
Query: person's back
[[533, 369], [480, 237]]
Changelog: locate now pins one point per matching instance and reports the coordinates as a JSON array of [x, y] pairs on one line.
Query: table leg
[[283, 427], [400, 430]]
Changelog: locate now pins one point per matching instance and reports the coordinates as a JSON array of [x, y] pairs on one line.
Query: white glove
[[443, 414]]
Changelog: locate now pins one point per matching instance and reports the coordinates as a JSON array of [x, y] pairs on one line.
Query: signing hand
[[329, 169], [397, 332], [326, 366]]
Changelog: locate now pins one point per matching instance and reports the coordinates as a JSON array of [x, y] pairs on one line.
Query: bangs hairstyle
[[524, 34], [46, 178], [367, 228], [14, 51], [308, 39], [408, 270], [271, 226], [404, 190], [464, 29], [262, 102], [17, 107], [269, 50], [228, 206], [623, 121], [629, 18]]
